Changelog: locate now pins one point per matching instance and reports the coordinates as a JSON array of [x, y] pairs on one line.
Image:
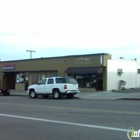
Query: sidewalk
[[110, 95], [89, 94]]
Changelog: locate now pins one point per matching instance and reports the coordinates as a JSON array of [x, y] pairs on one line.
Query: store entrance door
[[9, 80], [99, 82]]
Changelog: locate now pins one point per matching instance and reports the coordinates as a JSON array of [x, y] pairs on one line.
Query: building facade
[[89, 70], [123, 73]]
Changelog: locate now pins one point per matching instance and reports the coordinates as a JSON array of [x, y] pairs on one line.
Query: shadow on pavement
[[128, 90], [134, 99]]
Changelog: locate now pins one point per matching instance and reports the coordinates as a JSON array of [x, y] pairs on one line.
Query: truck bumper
[[72, 91]]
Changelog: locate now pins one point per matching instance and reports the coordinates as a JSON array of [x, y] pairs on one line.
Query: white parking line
[[66, 123]]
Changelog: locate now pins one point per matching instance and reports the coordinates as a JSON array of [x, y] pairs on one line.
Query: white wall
[[138, 75], [130, 74]]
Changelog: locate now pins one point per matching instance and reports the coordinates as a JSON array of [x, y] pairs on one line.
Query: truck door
[[41, 87], [49, 85]]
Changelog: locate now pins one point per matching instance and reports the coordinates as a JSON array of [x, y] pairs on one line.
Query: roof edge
[[67, 56]]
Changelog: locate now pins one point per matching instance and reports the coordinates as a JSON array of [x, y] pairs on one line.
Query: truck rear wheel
[[32, 94], [57, 94]]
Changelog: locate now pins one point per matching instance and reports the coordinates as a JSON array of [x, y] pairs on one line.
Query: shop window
[[34, 78], [20, 78], [52, 75], [86, 80], [43, 75]]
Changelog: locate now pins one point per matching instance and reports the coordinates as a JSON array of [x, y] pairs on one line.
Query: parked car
[[55, 86], [5, 92]]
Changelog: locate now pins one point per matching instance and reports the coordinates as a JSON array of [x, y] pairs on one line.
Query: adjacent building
[[123, 74]]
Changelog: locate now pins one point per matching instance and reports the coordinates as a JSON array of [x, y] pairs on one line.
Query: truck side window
[[50, 81], [60, 80], [43, 82]]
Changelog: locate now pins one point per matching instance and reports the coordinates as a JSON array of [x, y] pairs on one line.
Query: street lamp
[[30, 53]]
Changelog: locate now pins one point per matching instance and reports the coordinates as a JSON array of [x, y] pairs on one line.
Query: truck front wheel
[[32, 94]]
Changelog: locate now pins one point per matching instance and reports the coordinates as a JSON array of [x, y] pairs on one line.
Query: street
[[66, 119]]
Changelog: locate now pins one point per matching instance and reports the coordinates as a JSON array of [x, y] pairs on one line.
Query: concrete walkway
[[88, 94], [125, 94]]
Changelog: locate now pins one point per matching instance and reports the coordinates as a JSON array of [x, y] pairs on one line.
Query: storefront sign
[[8, 66], [83, 61]]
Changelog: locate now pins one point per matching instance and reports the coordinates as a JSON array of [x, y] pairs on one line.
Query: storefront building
[[89, 70]]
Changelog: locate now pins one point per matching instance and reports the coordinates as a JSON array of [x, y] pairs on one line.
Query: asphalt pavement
[[22, 118], [128, 94]]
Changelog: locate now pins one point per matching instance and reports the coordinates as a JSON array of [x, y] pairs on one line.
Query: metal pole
[[30, 53]]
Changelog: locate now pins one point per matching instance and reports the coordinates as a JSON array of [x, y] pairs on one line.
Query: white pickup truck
[[56, 86]]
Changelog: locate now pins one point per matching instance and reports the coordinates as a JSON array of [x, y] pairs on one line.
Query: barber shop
[[90, 71]]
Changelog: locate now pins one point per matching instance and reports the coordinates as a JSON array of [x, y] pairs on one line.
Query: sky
[[69, 27]]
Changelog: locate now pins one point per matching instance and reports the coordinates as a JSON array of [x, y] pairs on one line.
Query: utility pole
[[30, 53]]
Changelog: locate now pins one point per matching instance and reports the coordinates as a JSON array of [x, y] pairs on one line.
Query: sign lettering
[[83, 61], [9, 66]]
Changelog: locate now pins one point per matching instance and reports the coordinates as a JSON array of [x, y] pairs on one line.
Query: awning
[[82, 70]]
